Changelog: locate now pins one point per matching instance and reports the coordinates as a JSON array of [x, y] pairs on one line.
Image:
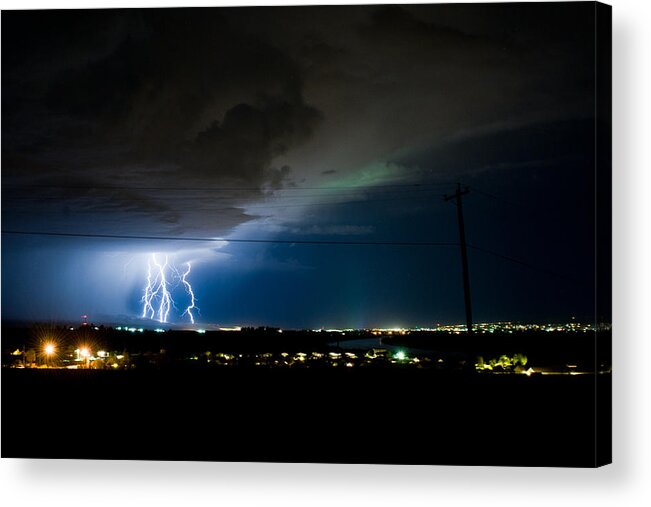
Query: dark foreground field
[[342, 416]]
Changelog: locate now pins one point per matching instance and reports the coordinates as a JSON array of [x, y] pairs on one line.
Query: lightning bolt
[[156, 291], [165, 297], [190, 292], [148, 309], [157, 297]]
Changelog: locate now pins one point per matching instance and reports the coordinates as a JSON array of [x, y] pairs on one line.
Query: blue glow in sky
[[328, 124]]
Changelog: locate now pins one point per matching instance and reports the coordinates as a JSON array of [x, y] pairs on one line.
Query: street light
[[85, 353], [49, 350]]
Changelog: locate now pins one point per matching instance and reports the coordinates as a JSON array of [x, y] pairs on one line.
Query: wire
[[297, 242], [495, 197], [307, 242], [528, 265], [31, 197], [207, 189], [533, 213], [230, 240], [272, 206]]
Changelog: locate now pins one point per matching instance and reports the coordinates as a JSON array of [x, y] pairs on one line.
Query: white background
[[626, 482]]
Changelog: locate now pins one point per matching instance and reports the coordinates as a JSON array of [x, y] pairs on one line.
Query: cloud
[[151, 98], [413, 78], [324, 230], [244, 145], [257, 99]]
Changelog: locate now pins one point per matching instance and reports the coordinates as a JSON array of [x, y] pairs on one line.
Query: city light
[[53, 352]]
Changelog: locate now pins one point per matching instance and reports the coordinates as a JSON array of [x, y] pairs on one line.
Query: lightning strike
[[157, 298], [148, 309], [165, 297], [157, 291], [190, 292]]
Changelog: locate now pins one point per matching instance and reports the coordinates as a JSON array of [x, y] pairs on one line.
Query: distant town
[[512, 348]]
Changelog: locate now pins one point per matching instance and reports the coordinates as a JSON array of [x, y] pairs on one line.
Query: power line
[[292, 242], [31, 197], [495, 197], [219, 189], [275, 206], [512, 259], [528, 265], [229, 240], [534, 213]]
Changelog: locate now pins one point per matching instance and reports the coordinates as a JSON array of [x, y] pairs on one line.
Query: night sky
[[334, 124]]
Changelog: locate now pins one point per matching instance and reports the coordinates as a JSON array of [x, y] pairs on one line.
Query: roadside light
[[84, 352], [400, 355], [49, 349]]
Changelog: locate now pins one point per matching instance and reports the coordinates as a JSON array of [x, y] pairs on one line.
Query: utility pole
[[464, 253]]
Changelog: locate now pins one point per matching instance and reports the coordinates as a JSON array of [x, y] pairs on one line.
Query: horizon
[[206, 327]]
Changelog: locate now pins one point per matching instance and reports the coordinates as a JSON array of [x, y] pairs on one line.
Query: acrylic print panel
[[350, 234]]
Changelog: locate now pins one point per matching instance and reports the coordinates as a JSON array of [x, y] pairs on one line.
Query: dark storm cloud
[[260, 98], [534, 146], [397, 29], [150, 98], [394, 80], [244, 145]]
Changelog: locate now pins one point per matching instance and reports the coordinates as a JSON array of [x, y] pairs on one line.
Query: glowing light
[[148, 296], [400, 355], [166, 299], [84, 352], [157, 297], [156, 291], [49, 349], [190, 292]]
